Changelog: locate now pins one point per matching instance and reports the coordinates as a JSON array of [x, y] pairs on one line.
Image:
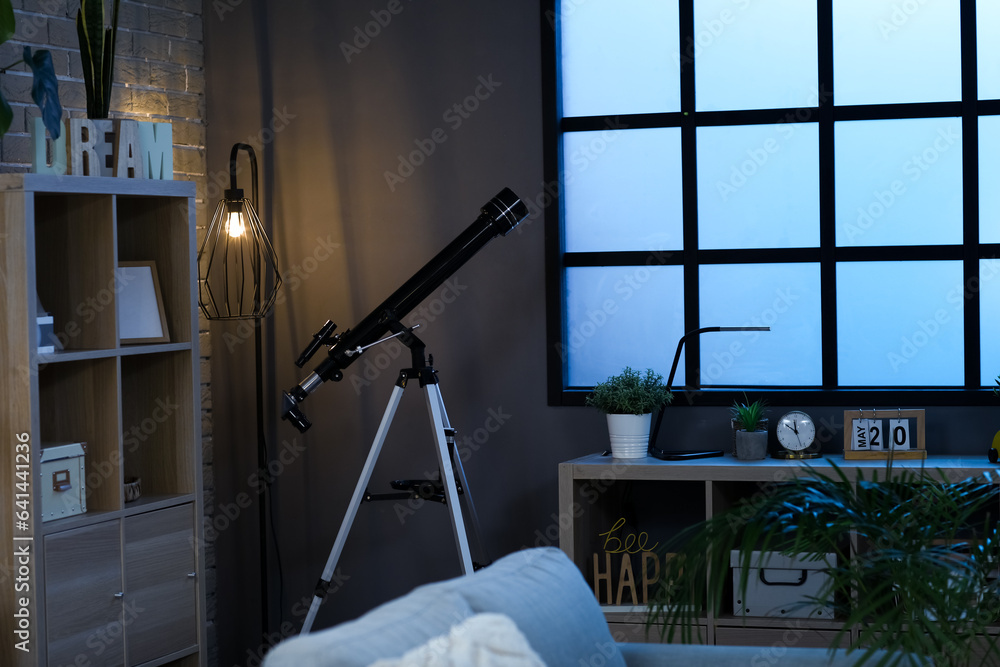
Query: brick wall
[[159, 75]]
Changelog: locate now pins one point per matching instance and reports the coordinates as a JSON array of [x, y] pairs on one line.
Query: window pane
[[898, 182], [623, 190], [887, 51], [988, 65], [758, 186], [900, 324], [785, 297], [619, 56], [989, 179], [621, 316], [754, 55], [989, 319]]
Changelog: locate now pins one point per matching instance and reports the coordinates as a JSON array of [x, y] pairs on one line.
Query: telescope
[[497, 217]]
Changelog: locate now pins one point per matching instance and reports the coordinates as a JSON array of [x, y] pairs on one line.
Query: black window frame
[[969, 109]]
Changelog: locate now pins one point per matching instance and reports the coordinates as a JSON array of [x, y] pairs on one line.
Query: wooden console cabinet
[[663, 497], [122, 583]]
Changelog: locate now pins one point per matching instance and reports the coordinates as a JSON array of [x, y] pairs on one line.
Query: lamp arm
[[253, 168], [673, 369]]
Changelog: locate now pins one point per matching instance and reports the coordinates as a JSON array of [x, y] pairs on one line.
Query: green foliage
[[97, 50], [44, 86], [749, 415], [630, 393], [919, 584]]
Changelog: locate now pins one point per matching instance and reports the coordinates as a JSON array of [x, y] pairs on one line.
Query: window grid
[[826, 114]]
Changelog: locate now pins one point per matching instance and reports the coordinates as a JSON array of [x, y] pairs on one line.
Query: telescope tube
[[498, 217]]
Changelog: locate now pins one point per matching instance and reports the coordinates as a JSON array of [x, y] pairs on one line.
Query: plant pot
[[737, 425], [751, 445], [629, 435]]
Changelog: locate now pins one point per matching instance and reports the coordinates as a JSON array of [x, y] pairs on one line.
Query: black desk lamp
[[653, 449]]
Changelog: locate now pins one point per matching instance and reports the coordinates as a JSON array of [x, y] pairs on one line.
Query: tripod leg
[[473, 517], [435, 405], [359, 493], [456, 460]]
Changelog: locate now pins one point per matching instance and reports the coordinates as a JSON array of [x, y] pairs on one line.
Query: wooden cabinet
[[662, 498], [122, 583]]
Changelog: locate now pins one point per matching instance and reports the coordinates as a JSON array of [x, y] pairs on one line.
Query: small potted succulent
[[629, 399], [751, 429]]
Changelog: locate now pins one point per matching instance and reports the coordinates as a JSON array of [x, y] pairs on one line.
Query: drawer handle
[[60, 481]]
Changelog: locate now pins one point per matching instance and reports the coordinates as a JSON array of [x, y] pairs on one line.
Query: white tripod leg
[[359, 493], [435, 404]]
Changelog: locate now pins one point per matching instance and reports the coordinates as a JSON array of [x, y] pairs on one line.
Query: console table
[[663, 497]]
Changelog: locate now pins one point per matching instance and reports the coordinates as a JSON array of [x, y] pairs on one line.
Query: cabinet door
[[83, 603], [159, 562]]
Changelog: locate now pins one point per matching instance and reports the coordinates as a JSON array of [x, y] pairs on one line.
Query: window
[[829, 169]]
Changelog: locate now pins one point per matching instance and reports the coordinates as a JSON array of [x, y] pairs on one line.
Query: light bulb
[[234, 224]]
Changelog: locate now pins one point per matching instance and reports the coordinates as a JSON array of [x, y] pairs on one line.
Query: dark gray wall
[[345, 241], [347, 124]]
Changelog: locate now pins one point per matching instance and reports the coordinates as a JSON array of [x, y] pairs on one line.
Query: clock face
[[795, 431]]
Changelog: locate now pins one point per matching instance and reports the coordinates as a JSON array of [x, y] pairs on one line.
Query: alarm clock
[[796, 434]]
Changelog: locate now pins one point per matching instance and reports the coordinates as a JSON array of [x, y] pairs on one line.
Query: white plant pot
[[629, 435]]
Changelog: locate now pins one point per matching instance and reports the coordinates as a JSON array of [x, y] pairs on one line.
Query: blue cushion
[[388, 631], [551, 603]]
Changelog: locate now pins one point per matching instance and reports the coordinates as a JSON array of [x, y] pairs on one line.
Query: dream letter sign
[[122, 148]]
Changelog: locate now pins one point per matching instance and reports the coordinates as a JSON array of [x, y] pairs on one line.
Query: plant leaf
[[45, 89], [92, 13], [88, 72], [110, 43], [6, 115], [6, 22]]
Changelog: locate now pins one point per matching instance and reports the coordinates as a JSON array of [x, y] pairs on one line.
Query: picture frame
[[141, 318]]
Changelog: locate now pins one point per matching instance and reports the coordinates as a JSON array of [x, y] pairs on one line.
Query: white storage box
[[61, 480], [781, 586]]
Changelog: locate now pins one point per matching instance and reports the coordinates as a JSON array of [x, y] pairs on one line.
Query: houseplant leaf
[[108, 66], [6, 115], [6, 20], [90, 30], [45, 89]]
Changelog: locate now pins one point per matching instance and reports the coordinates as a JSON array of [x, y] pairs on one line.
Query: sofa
[[549, 602]]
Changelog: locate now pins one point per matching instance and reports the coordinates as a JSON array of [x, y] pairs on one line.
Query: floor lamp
[[239, 280]]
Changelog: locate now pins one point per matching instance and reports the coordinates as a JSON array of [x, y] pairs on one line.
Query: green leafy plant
[[749, 415], [97, 50], [920, 583], [630, 393], [44, 86]]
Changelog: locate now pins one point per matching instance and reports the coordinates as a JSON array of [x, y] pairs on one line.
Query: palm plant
[[919, 581]]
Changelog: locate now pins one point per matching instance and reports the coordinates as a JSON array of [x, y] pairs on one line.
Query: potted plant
[[44, 86], [919, 581], [97, 51], [751, 429], [628, 399]]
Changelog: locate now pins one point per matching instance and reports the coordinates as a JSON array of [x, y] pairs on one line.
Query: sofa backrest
[[539, 589]]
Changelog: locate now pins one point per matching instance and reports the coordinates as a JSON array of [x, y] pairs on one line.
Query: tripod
[[450, 468]]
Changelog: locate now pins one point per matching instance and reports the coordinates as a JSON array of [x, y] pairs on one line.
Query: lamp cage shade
[[238, 269]]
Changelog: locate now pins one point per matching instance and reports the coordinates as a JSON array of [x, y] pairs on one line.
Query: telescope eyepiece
[[506, 210]]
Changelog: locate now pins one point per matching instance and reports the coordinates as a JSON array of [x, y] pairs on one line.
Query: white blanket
[[483, 640]]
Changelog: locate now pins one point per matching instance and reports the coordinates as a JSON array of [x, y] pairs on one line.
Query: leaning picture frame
[[141, 318]]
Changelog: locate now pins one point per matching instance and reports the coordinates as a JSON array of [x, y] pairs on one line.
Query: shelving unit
[[665, 496], [121, 583]]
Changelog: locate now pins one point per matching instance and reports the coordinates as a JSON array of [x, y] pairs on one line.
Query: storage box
[[61, 480], [781, 586]]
